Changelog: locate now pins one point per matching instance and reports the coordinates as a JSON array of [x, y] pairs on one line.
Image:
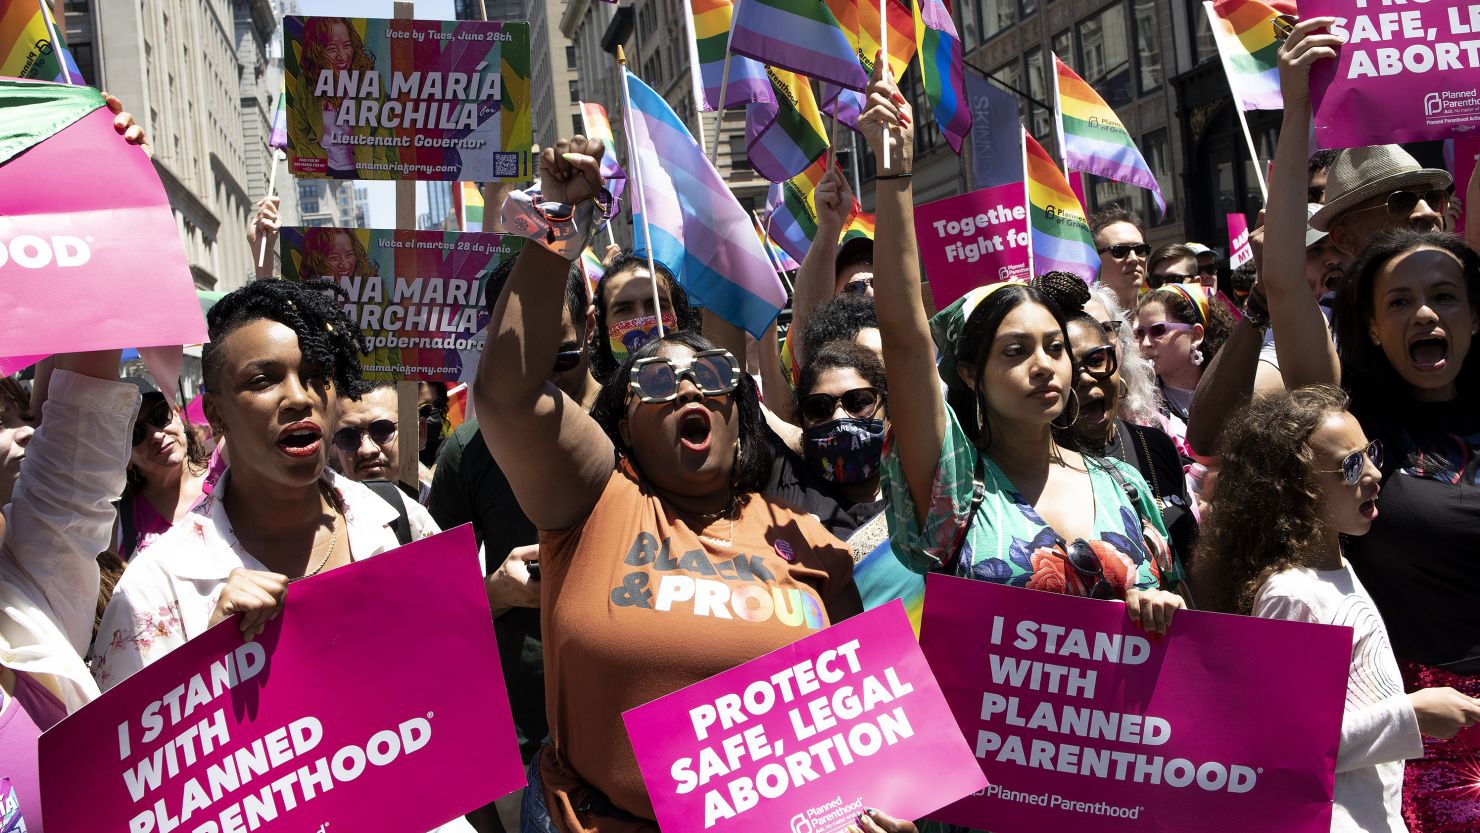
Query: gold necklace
[[333, 539]]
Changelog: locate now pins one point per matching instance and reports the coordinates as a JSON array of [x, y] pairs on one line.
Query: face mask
[[628, 336], [845, 451]]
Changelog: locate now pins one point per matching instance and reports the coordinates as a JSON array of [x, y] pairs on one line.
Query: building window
[[1157, 149], [927, 132], [1029, 7], [1203, 45], [1040, 119], [739, 161], [1148, 46], [570, 56], [1104, 55], [575, 90], [1063, 45], [989, 18], [577, 125], [971, 28]]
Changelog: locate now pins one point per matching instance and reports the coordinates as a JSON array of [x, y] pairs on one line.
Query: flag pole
[[724, 81], [635, 160], [1243, 121], [586, 128], [1058, 121], [696, 74], [770, 255], [56, 43], [1027, 199], [884, 56], [277, 156]]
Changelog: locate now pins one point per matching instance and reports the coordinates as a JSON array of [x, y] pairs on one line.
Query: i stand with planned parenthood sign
[[1081, 721]]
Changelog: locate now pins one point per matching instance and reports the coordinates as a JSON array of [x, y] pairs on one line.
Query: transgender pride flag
[[699, 230]]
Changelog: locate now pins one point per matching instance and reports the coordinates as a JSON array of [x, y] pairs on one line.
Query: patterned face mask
[[627, 336], [845, 451]]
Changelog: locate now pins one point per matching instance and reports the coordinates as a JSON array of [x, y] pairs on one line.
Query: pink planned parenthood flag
[[374, 702], [1405, 74], [1228, 724], [973, 239], [806, 737], [89, 255]]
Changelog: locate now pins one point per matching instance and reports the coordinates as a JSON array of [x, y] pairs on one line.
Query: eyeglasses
[[1120, 250], [428, 412], [566, 360], [859, 402], [1400, 204], [1101, 362], [858, 286], [1112, 327], [1089, 570], [1352, 464], [1159, 331], [348, 440], [655, 379], [1154, 281], [159, 416]]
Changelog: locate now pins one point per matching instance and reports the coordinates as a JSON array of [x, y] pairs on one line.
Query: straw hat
[[1312, 235], [1359, 174]]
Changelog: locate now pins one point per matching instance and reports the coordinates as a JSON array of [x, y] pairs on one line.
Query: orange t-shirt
[[637, 604]]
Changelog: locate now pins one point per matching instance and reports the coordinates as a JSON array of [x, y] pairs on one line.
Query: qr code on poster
[[505, 164]]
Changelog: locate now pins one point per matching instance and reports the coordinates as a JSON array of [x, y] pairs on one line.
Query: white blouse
[[167, 594]]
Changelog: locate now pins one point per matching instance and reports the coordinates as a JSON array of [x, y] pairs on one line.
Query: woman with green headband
[[1043, 516]]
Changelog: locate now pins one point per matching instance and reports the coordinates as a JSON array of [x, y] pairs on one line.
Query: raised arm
[[1307, 356], [556, 457], [1472, 215], [817, 276], [915, 406]]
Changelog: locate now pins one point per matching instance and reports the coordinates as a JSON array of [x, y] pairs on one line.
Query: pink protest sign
[[1460, 157], [1227, 725], [804, 738], [1407, 73], [1240, 251], [375, 702], [974, 239], [90, 258]]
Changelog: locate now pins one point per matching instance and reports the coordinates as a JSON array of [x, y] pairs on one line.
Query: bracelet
[[1257, 316], [905, 175], [561, 228]]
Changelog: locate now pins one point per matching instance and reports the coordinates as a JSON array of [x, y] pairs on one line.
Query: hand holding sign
[[1299, 53], [255, 594]]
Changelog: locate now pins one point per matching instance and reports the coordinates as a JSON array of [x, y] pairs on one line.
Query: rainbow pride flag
[[1094, 140], [591, 265], [469, 203], [457, 406], [1244, 32], [860, 22], [593, 116], [939, 48], [1059, 237], [278, 139], [709, 37], [784, 137], [791, 213], [860, 225], [32, 45], [778, 255], [800, 35]]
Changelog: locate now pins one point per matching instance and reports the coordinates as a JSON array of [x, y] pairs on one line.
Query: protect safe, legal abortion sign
[[1228, 724], [345, 714], [806, 737]]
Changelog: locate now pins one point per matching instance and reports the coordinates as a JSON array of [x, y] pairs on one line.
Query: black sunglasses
[[566, 360], [1400, 204], [1207, 269], [1158, 281], [861, 403], [381, 431], [1352, 464], [1087, 566], [159, 416], [1120, 250], [1101, 362], [655, 379], [858, 286]]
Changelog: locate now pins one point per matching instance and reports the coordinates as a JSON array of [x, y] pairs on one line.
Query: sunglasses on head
[[1400, 204], [1120, 250], [656, 379], [348, 440], [566, 360], [1352, 464], [860, 403], [1158, 331], [159, 416], [1101, 362]]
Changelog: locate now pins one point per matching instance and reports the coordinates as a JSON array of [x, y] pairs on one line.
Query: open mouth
[[1368, 508], [694, 432], [1429, 353], [1093, 411], [301, 439]]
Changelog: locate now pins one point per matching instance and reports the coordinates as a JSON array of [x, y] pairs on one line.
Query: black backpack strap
[[389, 493]]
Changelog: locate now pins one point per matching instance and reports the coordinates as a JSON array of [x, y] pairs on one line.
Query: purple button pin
[[783, 549]]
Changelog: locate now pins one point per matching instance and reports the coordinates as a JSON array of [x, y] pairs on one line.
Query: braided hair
[[1068, 291], [311, 309]]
